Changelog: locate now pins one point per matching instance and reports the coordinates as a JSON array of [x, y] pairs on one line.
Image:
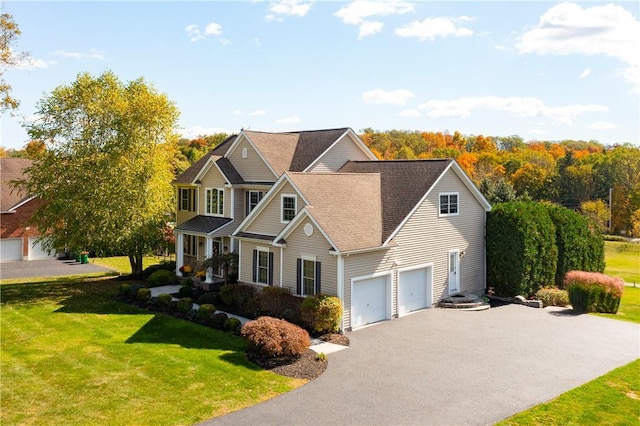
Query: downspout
[[340, 286], [281, 263]]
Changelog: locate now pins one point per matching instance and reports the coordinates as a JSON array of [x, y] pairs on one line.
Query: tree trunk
[[135, 260]]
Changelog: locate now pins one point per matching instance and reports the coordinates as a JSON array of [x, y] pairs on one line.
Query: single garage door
[[369, 300], [414, 290], [10, 249], [37, 252]]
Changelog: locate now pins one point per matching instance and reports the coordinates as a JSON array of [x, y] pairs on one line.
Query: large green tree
[[106, 174]]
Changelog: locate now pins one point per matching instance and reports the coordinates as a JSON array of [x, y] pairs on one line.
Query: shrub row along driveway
[[451, 367]]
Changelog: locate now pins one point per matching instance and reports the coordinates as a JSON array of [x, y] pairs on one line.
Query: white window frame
[[244, 152], [259, 195], [449, 204], [295, 207], [258, 267], [219, 199], [303, 277]]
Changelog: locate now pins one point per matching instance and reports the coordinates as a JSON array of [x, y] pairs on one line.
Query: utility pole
[[610, 216]]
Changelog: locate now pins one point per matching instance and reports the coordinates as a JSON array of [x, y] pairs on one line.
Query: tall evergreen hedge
[[521, 248], [580, 244]]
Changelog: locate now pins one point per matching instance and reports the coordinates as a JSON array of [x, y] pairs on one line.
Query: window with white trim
[[449, 204], [308, 276], [214, 199], [262, 266], [244, 153], [288, 210]]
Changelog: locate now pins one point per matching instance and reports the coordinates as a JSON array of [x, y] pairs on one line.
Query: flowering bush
[[185, 269], [593, 291], [276, 337], [201, 273]]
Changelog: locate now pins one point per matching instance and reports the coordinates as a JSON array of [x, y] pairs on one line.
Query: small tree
[[225, 261]]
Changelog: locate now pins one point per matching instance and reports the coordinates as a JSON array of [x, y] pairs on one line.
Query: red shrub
[[276, 337], [593, 291], [611, 285]]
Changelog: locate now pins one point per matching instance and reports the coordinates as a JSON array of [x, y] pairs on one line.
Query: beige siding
[[252, 168], [343, 151], [246, 261], [316, 245], [183, 215], [427, 238], [214, 179], [268, 222], [362, 265]]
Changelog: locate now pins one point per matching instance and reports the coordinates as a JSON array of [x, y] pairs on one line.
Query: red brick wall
[[18, 225]]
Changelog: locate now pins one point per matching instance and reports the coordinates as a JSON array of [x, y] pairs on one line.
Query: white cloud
[[29, 63], [258, 113], [288, 120], [585, 73], [538, 132], [212, 29], [567, 29], [91, 54], [602, 125], [196, 131], [357, 12], [515, 106], [410, 113], [282, 8], [379, 96], [431, 28]]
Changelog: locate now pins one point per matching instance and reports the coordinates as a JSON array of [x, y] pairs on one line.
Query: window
[[191, 245], [244, 152], [449, 204], [214, 201], [288, 208], [262, 266], [308, 272], [252, 200], [187, 199]]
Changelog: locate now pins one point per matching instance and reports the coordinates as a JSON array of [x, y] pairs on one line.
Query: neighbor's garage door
[[414, 290], [10, 249], [37, 252], [369, 301]]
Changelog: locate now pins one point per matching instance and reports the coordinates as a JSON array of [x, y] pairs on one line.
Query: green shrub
[[275, 337], [553, 296], [143, 294], [125, 290], [163, 300], [185, 291], [169, 265], [521, 248], [184, 305], [593, 292], [161, 278], [210, 297], [322, 313], [233, 325], [218, 320], [580, 244], [206, 311], [278, 302], [243, 297]]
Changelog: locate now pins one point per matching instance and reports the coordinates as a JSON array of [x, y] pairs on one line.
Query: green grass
[[612, 399], [121, 263], [623, 260], [629, 309], [72, 355]]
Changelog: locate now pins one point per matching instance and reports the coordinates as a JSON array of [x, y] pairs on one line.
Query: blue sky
[[541, 70]]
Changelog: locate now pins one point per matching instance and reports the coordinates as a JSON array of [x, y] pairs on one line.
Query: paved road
[[46, 268], [447, 367]]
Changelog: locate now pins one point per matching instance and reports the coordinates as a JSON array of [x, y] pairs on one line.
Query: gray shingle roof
[[256, 236], [311, 144], [203, 224], [403, 184], [11, 169]]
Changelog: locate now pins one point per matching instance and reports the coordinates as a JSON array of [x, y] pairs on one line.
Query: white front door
[[454, 276]]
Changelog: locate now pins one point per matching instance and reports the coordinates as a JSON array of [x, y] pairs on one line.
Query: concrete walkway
[[450, 367]]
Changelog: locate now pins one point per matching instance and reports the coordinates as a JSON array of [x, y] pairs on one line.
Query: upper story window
[[252, 200], [187, 199], [449, 204], [288, 209], [214, 199], [244, 153]]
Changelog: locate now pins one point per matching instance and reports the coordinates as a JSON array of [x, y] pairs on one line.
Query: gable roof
[[403, 183], [190, 175], [203, 224], [12, 169]]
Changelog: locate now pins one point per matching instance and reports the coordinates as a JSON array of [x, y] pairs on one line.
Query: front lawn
[[623, 260], [71, 355], [121, 263]]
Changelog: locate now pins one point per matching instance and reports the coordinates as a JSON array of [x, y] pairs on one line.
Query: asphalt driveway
[[46, 268], [447, 367]]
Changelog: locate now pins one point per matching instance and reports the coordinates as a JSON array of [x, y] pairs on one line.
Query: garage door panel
[[10, 249], [369, 301], [36, 251], [413, 290]]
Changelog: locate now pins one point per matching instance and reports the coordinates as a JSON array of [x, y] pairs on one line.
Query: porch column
[[208, 252], [179, 253]]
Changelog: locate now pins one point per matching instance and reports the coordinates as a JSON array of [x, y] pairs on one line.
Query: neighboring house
[[386, 237], [17, 235], [217, 192]]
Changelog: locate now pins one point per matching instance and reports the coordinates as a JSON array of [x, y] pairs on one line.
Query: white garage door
[[37, 252], [10, 249], [369, 301], [414, 290]]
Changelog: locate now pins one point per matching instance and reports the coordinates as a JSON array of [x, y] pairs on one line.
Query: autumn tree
[[106, 174], [9, 33]]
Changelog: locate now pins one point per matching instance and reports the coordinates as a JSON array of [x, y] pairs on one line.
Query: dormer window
[[288, 208]]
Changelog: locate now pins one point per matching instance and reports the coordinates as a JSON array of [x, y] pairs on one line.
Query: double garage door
[[371, 297], [11, 250]]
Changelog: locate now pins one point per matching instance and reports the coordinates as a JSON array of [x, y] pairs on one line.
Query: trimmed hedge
[[185, 291], [233, 325], [242, 296], [521, 248], [161, 277], [184, 305], [552, 296], [275, 337], [593, 292], [278, 302], [168, 265], [163, 300], [322, 313], [143, 294], [205, 313], [580, 244]]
